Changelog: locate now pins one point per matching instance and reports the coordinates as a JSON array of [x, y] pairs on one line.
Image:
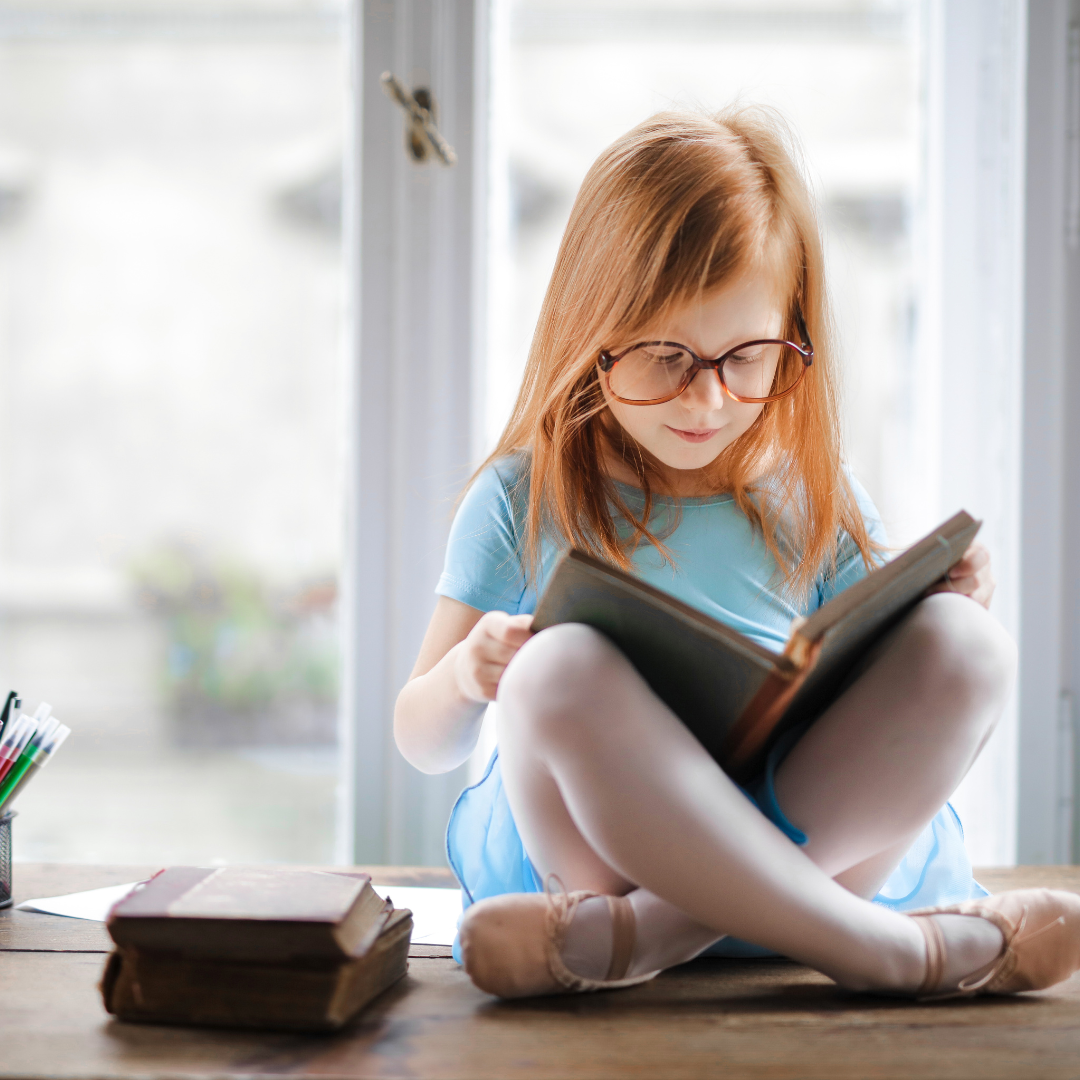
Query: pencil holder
[[5, 859]]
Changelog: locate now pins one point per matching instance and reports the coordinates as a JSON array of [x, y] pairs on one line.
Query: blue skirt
[[486, 854]]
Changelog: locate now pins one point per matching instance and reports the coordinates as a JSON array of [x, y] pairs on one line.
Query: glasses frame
[[608, 360]]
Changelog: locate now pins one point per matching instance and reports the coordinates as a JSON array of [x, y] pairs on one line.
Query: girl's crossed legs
[[611, 792]]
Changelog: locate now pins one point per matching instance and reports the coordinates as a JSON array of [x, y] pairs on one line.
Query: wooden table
[[710, 1018]]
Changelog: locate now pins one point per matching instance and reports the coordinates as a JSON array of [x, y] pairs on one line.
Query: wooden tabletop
[[709, 1018]]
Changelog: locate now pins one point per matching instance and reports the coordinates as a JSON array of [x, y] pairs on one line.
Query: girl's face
[[691, 430]]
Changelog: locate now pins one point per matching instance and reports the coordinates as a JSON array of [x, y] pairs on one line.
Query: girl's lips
[[693, 436]]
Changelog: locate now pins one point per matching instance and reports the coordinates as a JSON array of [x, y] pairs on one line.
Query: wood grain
[[709, 1018], [706, 1019]]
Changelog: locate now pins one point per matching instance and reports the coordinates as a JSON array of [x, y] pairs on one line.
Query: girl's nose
[[705, 391]]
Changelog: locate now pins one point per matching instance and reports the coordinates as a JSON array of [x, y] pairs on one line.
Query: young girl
[[678, 418]]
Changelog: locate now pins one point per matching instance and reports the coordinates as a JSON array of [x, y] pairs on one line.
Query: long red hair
[[675, 208]]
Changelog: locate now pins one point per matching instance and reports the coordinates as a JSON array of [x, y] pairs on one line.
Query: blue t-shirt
[[721, 565]]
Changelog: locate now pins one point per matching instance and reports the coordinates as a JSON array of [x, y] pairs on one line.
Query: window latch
[[423, 140]]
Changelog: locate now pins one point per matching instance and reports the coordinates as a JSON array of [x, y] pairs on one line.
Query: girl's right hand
[[486, 651]]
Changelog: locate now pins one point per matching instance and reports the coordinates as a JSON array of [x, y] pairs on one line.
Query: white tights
[[611, 792]]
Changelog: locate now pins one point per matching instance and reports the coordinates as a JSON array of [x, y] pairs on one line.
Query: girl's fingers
[[516, 630], [966, 586], [511, 629], [976, 558], [491, 646], [514, 638], [497, 652], [978, 587], [969, 577]]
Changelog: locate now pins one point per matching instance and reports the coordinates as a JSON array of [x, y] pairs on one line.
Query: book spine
[[743, 749]]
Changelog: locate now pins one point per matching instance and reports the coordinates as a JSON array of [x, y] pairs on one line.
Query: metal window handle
[[422, 138]]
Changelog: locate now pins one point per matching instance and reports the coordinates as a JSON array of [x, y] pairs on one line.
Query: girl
[[678, 417]]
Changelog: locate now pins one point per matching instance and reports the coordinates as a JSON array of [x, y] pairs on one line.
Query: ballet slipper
[[511, 945], [1041, 928]]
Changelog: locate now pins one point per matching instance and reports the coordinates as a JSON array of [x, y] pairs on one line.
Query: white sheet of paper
[[435, 911], [93, 904]]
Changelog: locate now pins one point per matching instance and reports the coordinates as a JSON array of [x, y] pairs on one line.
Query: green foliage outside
[[244, 661]]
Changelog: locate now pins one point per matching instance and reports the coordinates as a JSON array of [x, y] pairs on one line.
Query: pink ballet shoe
[[511, 945], [1041, 928]]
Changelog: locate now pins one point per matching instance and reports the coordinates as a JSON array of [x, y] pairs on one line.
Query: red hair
[[674, 209]]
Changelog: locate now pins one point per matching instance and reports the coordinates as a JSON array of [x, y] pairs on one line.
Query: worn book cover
[[736, 696], [250, 913]]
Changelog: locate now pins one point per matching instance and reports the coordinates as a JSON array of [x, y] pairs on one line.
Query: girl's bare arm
[[439, 711]]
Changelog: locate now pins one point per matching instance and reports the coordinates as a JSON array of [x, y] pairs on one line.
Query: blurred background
[[171, 363], [170, 453]]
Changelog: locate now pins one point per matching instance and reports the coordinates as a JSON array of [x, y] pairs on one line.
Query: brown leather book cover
[[249, 913], [735, 696], [164, 988]]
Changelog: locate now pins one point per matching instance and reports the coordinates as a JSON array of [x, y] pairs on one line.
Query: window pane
[[170, 499]]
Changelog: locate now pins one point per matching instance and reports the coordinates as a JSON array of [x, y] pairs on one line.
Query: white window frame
[[416, 233]]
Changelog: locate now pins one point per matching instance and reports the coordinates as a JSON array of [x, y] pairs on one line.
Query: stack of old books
[[291, 949]]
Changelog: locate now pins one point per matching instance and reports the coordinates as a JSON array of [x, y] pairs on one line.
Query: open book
[[734, 695]]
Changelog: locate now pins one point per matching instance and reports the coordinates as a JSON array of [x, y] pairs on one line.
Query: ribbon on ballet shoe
[[562, 906], [935, 956]]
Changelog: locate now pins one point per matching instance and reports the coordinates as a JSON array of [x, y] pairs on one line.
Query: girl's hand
[[970, 577], [487, 650]]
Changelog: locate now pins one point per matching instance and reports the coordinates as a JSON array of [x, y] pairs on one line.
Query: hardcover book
[[249, 913], [253, 947], [736, 696], [313, 995]]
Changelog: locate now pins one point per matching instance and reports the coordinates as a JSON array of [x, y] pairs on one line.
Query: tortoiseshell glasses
[[652, 372]]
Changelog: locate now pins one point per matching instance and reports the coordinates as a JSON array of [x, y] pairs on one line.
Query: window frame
[[416, 234]]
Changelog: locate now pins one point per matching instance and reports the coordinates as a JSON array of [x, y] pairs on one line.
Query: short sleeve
[[483, 562], [849, 561]]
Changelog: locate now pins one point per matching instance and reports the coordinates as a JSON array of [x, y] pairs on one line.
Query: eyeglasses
[[653, 372]]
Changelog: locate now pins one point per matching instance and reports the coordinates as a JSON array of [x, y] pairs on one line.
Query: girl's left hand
[[970, 577]]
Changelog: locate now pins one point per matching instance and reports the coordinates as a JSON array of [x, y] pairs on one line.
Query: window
[[172, 301], [171, 290], [912, 117]]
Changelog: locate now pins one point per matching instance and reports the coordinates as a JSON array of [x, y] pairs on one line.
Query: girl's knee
[[556, 673], [961, 645]]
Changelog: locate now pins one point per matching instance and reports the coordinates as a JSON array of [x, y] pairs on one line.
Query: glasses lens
[[763, 371], [650, 372]]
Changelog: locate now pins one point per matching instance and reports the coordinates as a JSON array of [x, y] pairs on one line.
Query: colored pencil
[[41, 756], [21, 733], [30, 753]]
